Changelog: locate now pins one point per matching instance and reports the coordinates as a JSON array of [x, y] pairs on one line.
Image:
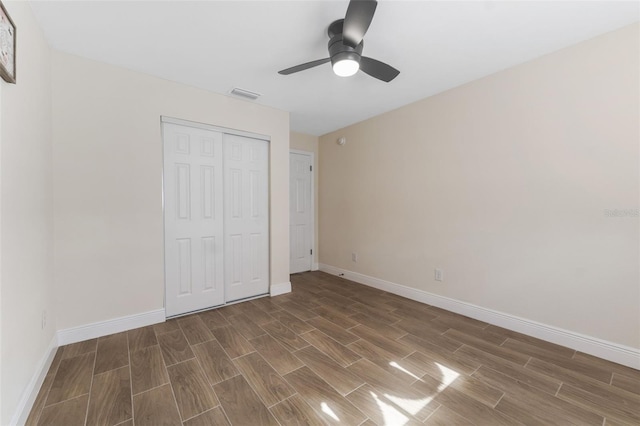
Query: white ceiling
[[218, 45]]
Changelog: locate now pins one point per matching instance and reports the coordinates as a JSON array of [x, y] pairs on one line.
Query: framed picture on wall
[[7, 46]]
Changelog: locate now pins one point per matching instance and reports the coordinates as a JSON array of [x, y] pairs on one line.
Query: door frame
[[188, 123], [311, 154]]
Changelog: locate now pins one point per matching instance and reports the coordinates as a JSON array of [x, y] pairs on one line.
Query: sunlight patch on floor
[[390, 414], [448, 376], [411, 406], [404, 370], [327, 410]]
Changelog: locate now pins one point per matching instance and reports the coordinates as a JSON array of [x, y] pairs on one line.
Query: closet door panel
[[193, 215], [246, 217]]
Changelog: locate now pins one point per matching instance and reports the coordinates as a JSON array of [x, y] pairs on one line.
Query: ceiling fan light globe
[[346, 67]]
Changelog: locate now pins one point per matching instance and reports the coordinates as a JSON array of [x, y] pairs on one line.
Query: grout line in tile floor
[[147, 390], [95, 358], [133, 414]]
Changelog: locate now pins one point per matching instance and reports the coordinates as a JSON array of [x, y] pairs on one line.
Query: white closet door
[[193, 215], [246, 208], [300, 219]]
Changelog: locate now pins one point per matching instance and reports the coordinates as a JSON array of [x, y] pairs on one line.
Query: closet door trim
[[197, 125]]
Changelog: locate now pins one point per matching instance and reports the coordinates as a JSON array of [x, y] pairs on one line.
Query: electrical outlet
[[354, 257], [438, 274], [44, 319]]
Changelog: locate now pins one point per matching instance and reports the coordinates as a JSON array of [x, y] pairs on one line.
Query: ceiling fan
[[345, 45]]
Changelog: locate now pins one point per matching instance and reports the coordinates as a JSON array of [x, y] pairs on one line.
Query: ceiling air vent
[[245, 93]]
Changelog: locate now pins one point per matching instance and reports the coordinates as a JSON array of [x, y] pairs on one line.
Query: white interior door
[[246, 214], [193, 218], [300, 212]]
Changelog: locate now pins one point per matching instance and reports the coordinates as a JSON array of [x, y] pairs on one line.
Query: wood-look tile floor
[[331, 352]]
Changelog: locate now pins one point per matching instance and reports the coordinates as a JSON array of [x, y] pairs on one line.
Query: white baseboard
[[314, 266], [104, 328], [31, 391], [282, 288], [610, 351], [73, 335]]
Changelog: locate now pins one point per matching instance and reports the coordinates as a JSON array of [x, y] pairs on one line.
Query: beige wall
[[107, 164], [303, 142], [503, 183], [309, 143], [26, 226]]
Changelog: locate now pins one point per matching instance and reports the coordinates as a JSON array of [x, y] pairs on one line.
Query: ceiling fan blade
[[303, 67], [378, 69], [357, 20]]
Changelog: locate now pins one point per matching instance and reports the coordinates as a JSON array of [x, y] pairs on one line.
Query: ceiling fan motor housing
[[338, 51]]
